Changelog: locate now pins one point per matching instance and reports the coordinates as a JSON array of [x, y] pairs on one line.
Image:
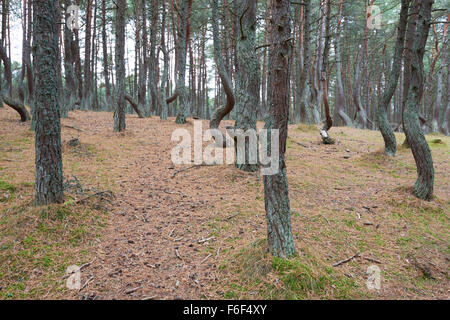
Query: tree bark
[[221, 111], [105, 56], [424, 186], [326, 139], [386, 130], [49, 174], [278, 216], [340, 116], [247, 79], [119, 114]]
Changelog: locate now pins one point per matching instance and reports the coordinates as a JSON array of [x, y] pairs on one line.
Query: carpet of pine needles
[[144, 228]]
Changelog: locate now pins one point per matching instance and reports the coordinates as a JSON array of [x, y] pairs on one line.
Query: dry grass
[[345, 199]]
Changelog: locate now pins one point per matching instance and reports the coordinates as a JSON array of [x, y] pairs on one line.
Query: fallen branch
[[108, 193], [130, 291], [337, 264], [372, 260], [189, 168], [74, 128], [86, 283]]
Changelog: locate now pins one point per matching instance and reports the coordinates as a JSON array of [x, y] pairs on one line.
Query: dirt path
[[197, 235]]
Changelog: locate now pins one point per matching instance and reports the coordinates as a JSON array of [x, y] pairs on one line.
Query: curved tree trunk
[[424, 186], [16, 105], [6, 95], [134, 105], [386, 130], [221, 111]]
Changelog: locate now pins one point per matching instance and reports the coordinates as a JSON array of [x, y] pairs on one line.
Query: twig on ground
[[372, 260], [178, 254], [347, 260], [233, 216], [149, 298], [209, 256], [189, 168], [130, 291], [86, 283], [101, 193], [74, 128], [203, 240]]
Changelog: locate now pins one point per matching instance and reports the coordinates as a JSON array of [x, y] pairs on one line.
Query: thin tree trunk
[[390, 141], [439, 109], [340, 116], [105, 57], [119, 114]]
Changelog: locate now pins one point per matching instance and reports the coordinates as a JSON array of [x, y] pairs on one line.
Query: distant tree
[[119, 90], [49, 174], [182, 42]]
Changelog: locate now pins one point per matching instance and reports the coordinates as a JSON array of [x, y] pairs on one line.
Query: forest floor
[[143, 229]]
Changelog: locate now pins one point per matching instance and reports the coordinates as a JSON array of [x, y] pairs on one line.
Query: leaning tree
[[424, 186]]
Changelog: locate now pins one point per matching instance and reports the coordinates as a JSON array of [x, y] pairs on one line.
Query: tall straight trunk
[[386, 130], [278, 216], [164, 109], [445, 123], [94, 52], [24, 48], [87, 57], [29, 67], [152, 75], [119, 90], [247, 80], [49, 173], [78, 69], [183, 39], [324, 77], [439, 108], [308, 111], [70, 85], [424, 186], [362, 56], [105, 56], [341, 116], [143, 64]]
